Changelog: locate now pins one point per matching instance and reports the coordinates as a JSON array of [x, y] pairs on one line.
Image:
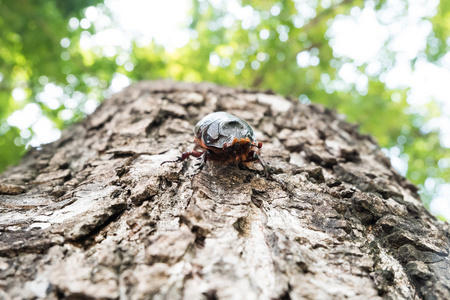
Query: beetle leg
[[267, 169], [184, 156], [199, 166], [202, 162]]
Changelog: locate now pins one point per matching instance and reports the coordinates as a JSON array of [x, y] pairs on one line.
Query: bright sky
[[360, 37]]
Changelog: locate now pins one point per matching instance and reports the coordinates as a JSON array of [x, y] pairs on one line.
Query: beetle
[[225, 138]]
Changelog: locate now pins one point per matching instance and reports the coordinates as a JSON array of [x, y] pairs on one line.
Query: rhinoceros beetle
[[222, 137]]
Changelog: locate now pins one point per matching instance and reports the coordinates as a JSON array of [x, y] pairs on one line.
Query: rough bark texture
[[95, 216]]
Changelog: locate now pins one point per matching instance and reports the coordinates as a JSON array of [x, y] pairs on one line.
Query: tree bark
[[95, 216]]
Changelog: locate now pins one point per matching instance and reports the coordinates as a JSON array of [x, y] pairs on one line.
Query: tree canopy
[[53, 64]]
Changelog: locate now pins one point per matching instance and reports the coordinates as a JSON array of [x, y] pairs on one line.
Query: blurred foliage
[[31, 56], [42, 49]]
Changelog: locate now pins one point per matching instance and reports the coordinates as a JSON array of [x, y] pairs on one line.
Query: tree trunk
[[95, 216]]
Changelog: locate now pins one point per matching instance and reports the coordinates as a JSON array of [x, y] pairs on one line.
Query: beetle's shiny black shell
[[220, 128]]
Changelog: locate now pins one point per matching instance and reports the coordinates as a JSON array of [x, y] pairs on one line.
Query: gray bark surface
[[95, 216]]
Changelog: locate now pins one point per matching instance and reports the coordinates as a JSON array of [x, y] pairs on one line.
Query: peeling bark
[[95, 216]]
